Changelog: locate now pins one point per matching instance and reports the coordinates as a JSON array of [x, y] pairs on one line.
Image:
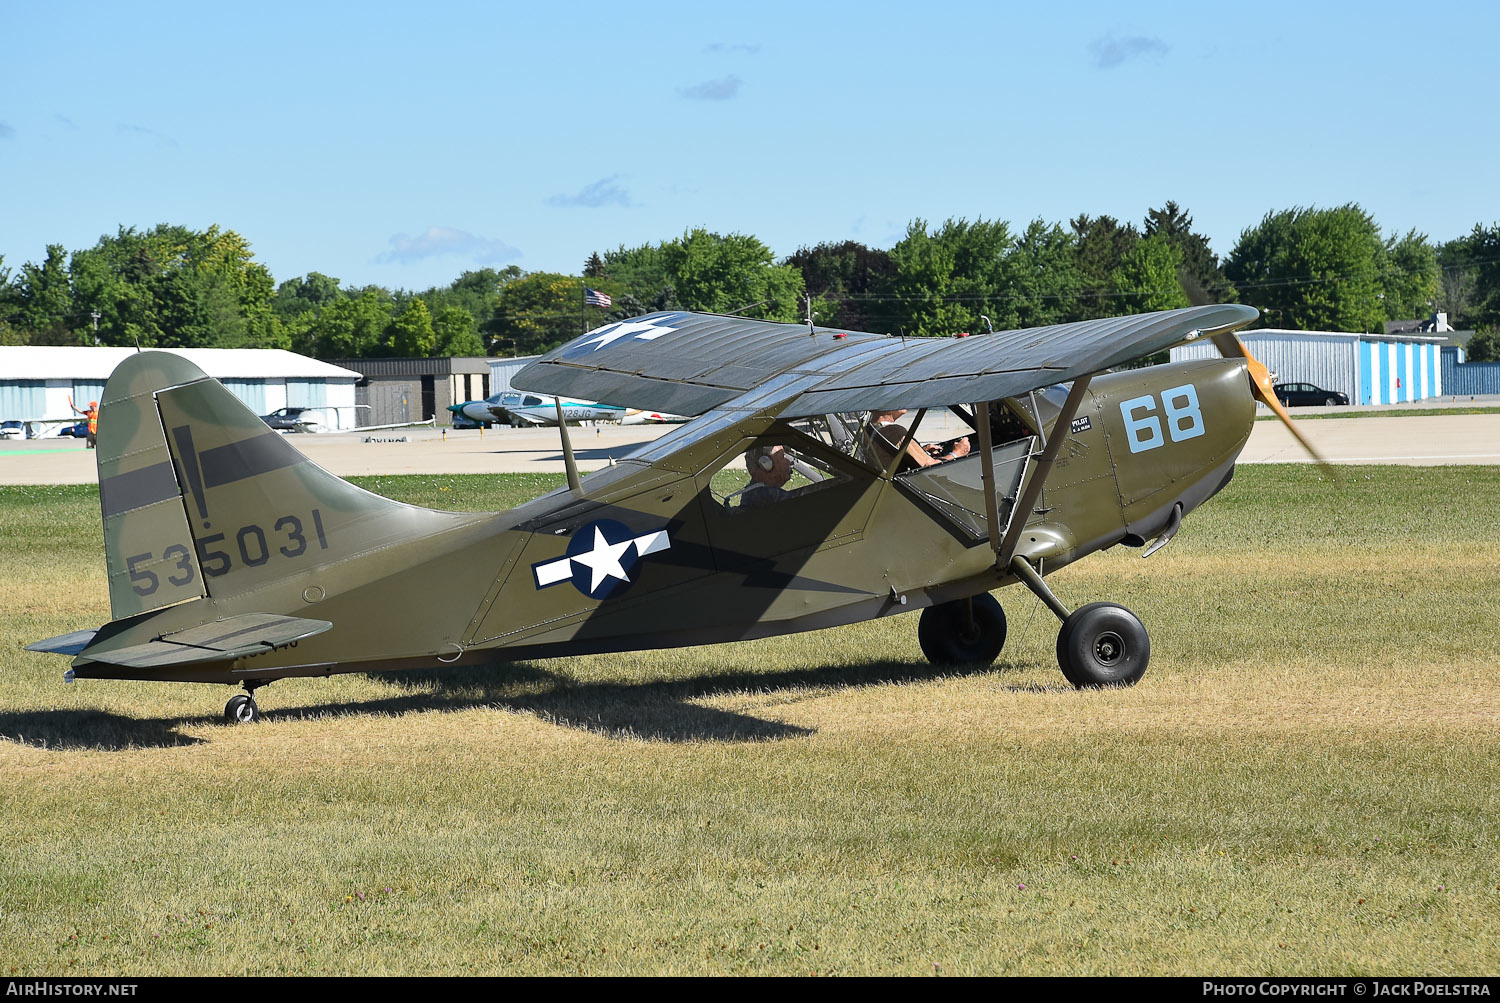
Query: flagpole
[[583, 304]]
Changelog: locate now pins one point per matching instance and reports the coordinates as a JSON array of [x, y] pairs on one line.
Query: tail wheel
[[241, 709], [962, 632], [1103, 644]]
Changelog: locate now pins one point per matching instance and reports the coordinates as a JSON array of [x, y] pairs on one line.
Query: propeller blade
[[1260, 384]]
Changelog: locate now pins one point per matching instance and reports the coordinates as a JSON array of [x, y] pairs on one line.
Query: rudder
[[200, 497]]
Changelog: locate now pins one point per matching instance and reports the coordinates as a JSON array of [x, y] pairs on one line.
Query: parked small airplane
[[520, 410], [790, 502]]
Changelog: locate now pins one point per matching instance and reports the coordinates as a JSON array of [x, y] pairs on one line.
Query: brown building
[[395, 391]]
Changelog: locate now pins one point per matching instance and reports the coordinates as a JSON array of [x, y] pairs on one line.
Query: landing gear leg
[[242, 708], [1101, 644]]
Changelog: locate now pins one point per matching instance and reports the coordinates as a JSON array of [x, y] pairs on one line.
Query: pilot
[[890, 434], [770, 468]]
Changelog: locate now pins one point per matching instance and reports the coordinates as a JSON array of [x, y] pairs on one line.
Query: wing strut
[[987, 477], [571, 465], [1021, 513]]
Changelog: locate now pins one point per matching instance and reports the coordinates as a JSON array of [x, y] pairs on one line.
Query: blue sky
[[402, 144]]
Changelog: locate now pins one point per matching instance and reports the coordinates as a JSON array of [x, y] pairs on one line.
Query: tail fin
[[200, 497]]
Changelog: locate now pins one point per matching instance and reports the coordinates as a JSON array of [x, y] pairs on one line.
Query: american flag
[[594, 297]]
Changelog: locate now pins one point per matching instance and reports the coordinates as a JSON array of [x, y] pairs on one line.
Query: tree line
[[1303, 268]]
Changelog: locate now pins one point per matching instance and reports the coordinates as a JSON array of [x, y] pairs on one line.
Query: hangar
[[36, 381], [1370, 368], [399, 391]]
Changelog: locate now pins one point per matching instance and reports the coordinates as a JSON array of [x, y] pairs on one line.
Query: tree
[[454, 328], [538, 311], [295, 297], [44, 300], [1457, 283], [173, 286], [1313, 269], [1147, 278], [1471, 265], [1484, 346], [1202, 276], [1102, 242], [947, 278], [715, 273], [411, 332], [642, 271], [846, 282], [1042, 278], [707, 271], [349, 327], [1413, 279]]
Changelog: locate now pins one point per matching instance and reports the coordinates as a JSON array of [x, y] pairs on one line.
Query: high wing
[[690, 363]]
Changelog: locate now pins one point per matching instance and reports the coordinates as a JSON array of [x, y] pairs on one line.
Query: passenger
[[889, 435], [770, 468]]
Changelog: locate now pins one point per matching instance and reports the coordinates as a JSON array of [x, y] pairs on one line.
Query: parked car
[[1307, 395], [78, 431], [289, 419], [12, 430]]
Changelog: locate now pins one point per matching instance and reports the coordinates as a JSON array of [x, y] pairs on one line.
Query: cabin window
[[778, 469]]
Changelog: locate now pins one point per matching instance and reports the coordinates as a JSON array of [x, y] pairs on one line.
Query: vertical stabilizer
[[148, 548], [201, 498]]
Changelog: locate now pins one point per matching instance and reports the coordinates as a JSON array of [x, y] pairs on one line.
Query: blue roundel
[[604, 554]]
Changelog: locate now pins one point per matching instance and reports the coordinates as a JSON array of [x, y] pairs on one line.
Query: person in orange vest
[[92, 414]]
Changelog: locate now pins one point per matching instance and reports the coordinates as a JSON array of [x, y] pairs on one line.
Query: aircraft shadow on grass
[[657, 711]]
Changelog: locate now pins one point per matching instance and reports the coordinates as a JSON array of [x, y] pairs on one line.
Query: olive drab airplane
[[779, 507]]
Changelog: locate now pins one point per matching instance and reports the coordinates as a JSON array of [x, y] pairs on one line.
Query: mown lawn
[[1305, 782]]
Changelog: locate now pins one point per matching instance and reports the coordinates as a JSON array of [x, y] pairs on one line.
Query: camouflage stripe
[[246, 458], [137, 489]]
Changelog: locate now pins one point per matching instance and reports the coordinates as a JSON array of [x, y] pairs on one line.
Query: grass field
[[1307, 781]]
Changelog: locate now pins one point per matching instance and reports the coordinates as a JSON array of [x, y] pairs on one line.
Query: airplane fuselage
[[652, 556]]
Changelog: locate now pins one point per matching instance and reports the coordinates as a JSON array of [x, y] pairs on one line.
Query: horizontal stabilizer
[[70, 643], [222, 640]]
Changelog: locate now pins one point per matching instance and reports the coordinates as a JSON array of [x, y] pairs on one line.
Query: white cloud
[[712, 90], [604, 192], [441, 240], [1110, 51]]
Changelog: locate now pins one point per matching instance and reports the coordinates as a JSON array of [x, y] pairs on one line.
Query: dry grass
[[1305, 782]]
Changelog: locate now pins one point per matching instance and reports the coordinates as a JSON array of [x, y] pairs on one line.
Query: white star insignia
[[644, 330], [604, 560]]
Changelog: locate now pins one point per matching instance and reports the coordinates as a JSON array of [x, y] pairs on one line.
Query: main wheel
[[241, 709], [963, 631], [1330, 402], [1103, 644]]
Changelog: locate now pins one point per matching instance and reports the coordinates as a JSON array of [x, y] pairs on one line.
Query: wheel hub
[[1109, 647]]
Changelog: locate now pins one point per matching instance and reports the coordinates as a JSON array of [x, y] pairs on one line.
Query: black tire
[[1330, 402], [1103, 644], [241, 709], [950, 635]]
